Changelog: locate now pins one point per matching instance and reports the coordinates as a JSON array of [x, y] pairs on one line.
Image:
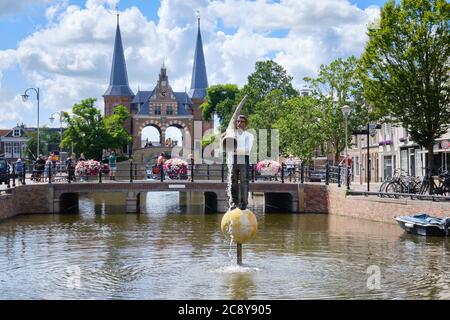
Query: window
[[16, 149], [169, 110], [8, 149], [16, 133], [158, 110], [388, 167]]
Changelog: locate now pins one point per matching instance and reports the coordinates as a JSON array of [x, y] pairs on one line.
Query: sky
[[65, 47]]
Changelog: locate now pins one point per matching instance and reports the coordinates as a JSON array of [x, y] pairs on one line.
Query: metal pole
[[37, 95], [346, 143], [368, 157], [61, 134], [239, 253], [339, 175]]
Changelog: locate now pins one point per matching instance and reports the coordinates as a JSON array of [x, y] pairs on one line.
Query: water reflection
[[172, 252]]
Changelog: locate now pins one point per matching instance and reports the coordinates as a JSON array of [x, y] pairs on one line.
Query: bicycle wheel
[[393, 187], [384, 185], [424, 187]]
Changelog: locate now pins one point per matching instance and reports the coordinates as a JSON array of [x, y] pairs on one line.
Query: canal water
[[173, 252]]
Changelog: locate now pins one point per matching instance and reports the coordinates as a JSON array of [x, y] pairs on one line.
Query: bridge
[[58, 193]]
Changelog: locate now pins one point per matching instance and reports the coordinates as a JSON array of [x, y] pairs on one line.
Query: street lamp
[[346, 112], [25, 97], [60, 125]]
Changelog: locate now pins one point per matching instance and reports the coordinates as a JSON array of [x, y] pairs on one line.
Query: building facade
[[161, 107], [391, 148]]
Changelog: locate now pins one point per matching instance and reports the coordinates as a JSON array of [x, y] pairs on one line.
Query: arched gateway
[[161, 107]]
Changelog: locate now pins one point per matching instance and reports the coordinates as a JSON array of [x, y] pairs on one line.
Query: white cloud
[[13, 7], [70, 58]]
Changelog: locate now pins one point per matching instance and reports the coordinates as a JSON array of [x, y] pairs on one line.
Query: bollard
[[100, 174], [282, 172], [327, 174], [207, 171], [14, 174], [302, 172], [223, 172], [348, 178], [135, 171], [49, 173], [161, 172], [253, 172], [131, 171], [339, 175], [24, 170], [69, 174], [192, 170], [8, 177]]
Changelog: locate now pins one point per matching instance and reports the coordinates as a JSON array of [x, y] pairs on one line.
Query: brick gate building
[[161, 107]]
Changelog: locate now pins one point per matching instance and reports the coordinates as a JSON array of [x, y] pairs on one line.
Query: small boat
[[425, 225]]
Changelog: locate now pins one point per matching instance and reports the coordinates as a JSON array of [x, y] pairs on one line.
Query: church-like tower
[[118, 92], [199, 81]]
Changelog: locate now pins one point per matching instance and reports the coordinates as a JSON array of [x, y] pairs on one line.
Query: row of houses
[[14, 142], [391, 148]]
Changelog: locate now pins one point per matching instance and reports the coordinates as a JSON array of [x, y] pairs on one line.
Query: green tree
[[46, 137], [89, 133], [221, 100], [337, 85], [300, 129], [405, 68], [268, 76]]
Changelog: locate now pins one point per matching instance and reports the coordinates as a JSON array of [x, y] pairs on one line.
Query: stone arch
[[151, 123], [184, 128]]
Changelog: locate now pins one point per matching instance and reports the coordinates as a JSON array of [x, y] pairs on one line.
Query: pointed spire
[[199, 81], [118, 83]]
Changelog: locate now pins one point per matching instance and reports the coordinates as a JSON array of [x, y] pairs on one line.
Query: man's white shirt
[[244, 146]]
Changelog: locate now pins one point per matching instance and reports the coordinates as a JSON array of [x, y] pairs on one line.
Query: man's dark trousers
[[240, 181]]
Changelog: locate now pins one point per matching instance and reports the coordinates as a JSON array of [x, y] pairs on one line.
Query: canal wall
[[381, 209], [26, 199], [301, 198]]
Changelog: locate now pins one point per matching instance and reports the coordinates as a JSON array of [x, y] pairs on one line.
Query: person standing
[[240, 160], [290, 166], [112, 162]]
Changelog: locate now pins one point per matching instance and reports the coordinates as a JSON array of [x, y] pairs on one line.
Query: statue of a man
[[240, 160]]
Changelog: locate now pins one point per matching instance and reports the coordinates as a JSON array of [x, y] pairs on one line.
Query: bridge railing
[[132, 171]]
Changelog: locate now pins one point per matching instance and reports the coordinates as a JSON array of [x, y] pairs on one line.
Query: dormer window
[[16, 133]]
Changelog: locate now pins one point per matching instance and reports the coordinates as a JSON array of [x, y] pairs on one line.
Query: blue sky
[[66, 50]]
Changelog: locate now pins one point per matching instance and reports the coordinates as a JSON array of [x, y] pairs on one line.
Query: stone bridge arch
[[148, 123]]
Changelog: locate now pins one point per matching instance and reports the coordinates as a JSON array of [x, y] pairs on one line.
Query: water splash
[[237, 269]]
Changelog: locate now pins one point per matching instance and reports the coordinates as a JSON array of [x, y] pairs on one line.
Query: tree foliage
[[300, 129], [89, 133], [405, 68], [267, 77], [46, 137], [221, 100], [337, 85]]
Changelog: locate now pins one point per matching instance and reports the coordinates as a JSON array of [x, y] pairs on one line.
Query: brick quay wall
[[381, 209], [312, 198]]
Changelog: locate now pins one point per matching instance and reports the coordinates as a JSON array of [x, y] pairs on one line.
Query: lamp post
[[60, 125], [25, 97], [346, 112]]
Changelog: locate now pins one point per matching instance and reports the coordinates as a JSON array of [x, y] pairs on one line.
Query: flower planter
[[268, 167], [176, 169]]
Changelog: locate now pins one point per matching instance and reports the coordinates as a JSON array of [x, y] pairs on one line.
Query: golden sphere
[[239, 225]]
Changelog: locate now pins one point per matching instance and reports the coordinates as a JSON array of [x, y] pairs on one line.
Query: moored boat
[[425, 225]]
